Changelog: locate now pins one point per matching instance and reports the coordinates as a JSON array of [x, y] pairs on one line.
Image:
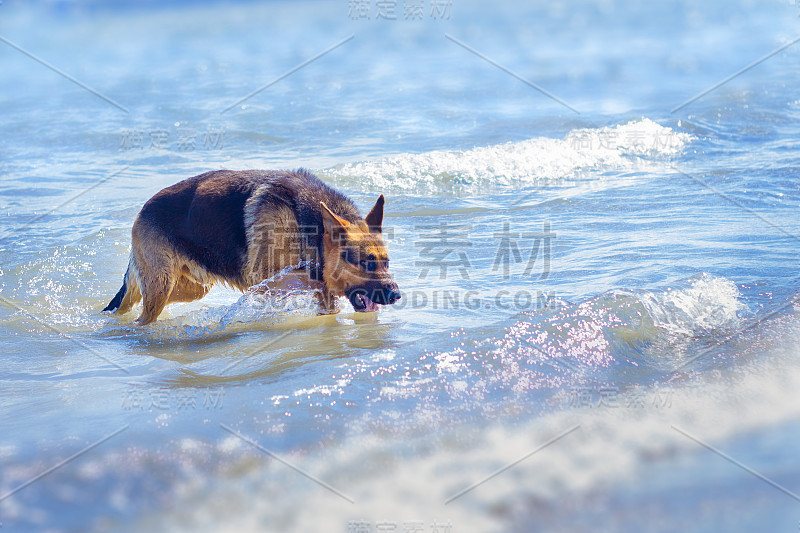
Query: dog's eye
[[368, 266]]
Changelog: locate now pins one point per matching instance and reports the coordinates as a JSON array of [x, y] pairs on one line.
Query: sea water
[[596, 243]]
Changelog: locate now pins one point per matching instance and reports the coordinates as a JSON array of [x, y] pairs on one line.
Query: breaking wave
[[639, 144]]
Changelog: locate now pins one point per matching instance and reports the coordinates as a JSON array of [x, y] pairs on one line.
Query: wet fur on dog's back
[[234, 199], [239, 228]]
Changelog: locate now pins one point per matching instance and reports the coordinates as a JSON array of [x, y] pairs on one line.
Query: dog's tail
[[117, 300]]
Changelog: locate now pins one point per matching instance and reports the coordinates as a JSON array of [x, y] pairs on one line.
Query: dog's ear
[[335, 226], [375, 217]]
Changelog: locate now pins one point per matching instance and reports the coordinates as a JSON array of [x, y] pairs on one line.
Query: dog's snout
[[385, 295]]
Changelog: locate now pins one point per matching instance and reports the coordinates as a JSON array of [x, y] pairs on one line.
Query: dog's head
[[356, 260]]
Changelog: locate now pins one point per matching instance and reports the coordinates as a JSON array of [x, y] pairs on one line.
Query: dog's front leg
[[328, 303]]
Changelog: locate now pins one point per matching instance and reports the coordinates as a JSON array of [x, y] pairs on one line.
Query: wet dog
[[241, 227]]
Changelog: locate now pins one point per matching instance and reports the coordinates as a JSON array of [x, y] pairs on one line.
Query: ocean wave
[[627, 327], [635, 145]]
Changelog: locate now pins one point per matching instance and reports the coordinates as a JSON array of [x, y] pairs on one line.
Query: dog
[[239, 228]]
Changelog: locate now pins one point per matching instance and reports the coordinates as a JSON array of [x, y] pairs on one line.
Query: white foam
[[529, 162], [707, 303]]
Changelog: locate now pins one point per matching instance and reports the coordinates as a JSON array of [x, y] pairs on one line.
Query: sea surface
[[593, 214]]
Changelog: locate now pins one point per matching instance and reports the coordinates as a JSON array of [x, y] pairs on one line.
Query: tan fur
[[273, 243], [161, 275], [340, 275]]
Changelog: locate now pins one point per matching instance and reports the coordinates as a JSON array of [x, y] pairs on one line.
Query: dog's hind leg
[[187, 290], [156, 270], [156, 292]]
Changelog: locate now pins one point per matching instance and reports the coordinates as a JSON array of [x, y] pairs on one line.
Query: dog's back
[[202, 218]]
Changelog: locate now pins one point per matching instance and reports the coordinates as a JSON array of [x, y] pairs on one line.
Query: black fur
[[217, 242], [116, 301]]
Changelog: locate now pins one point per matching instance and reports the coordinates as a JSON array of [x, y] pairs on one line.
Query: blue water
[[608, 344]]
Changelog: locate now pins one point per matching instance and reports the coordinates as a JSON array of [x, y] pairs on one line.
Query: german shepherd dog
[[240, 228]]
